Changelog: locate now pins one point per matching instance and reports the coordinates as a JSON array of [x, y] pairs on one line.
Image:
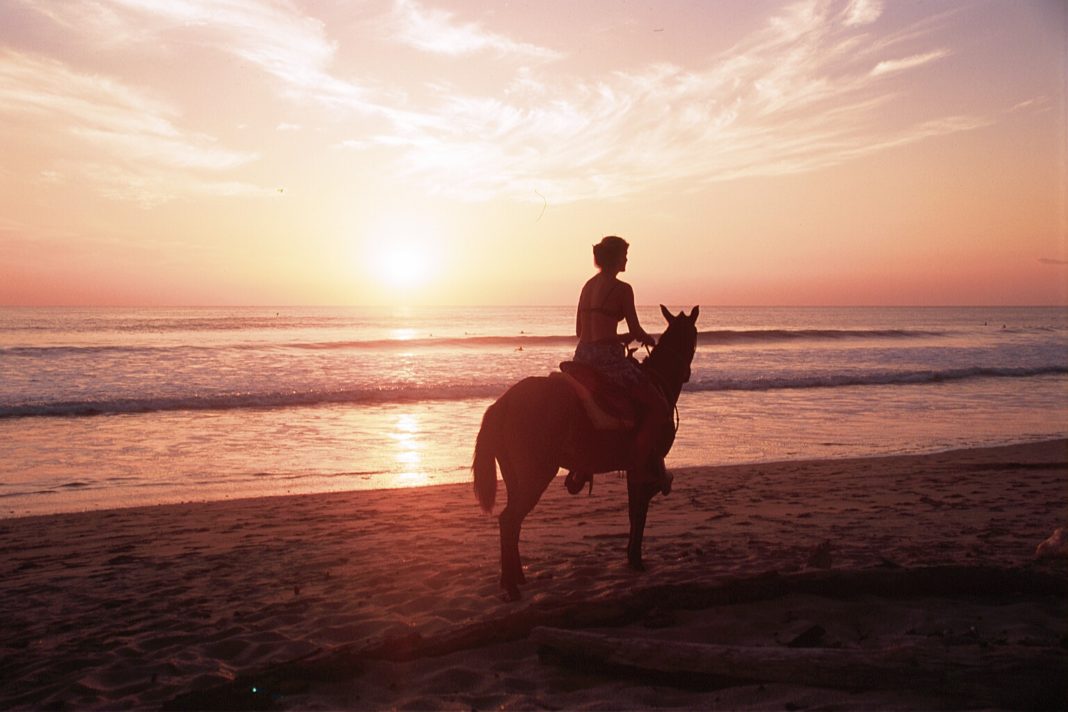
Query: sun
[[403, 252], [403, 266]]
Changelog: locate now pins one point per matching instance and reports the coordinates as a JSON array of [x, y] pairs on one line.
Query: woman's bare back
[[603, 303]]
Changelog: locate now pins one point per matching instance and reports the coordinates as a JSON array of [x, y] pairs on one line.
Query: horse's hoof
[[575, 481], [511, 594], [636, 564]]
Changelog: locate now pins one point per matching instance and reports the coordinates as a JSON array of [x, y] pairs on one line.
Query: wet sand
[[390, 598]]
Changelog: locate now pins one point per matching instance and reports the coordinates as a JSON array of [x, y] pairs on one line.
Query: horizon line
[[519, 305]]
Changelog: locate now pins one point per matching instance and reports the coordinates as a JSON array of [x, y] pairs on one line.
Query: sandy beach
[[840, 580]]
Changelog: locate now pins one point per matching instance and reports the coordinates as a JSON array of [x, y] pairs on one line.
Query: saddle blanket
[[607, 406]]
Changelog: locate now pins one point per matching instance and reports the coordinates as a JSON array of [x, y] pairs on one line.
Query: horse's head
[[673, 353]]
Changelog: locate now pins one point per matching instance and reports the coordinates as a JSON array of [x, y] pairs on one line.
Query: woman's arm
[[631, 315], [578, 311]]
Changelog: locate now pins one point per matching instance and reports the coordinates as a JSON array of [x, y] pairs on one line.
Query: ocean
[[105, 407]]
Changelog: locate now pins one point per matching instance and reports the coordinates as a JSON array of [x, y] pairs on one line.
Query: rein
[[660, 381]]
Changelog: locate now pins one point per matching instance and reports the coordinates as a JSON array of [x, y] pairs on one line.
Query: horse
[[539, 425]]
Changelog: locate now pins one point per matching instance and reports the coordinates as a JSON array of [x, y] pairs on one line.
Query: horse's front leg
[[639, 494]]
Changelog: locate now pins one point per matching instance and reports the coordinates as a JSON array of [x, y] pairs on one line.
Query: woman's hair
[[609, 250]]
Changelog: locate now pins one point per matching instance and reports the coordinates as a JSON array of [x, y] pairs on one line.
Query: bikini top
[[603, 309]]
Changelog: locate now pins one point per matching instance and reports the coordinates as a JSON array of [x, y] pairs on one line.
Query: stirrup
[[576, 480]]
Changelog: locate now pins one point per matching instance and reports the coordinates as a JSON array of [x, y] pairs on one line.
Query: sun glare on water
[[408, 444]]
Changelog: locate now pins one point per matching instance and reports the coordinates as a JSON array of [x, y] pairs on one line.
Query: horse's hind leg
[[511, 566], [527, 487]]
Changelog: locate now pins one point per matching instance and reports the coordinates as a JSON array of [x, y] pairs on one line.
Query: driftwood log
[[627, 607], [1020, 677]]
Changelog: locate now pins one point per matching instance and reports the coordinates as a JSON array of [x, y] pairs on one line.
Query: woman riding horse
[[604, 302], [539, 425]]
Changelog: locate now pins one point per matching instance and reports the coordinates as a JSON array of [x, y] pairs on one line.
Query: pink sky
[[808, 152]]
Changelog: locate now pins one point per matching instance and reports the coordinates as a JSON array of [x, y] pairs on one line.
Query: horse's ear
[[666, 313], [693, 314]]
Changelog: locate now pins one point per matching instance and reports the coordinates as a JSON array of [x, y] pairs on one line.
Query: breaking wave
[[421, 393], [708, 338], [882, 378]]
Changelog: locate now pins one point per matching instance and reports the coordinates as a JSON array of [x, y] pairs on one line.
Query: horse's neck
[[669, 382]]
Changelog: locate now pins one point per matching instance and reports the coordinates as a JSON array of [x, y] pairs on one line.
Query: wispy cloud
[[805, 92], [118, 122], [862, 12], [438, 31], [149, 187], [814, 87], [269, 34], [1051, 261], [898, 65]]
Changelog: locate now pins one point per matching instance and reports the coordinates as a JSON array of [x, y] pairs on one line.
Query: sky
[[270, 152]]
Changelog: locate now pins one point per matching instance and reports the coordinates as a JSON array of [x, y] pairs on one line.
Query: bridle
[[676, 364]]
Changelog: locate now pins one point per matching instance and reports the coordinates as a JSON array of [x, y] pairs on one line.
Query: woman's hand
[[641, 337]]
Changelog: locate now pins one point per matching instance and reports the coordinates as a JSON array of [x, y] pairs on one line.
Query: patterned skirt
[[610, 358]]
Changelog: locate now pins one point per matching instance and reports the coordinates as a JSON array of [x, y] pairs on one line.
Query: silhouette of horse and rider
[[602, 412]]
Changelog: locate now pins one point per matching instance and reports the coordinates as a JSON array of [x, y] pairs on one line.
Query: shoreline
[[680, 468], [137, 607]]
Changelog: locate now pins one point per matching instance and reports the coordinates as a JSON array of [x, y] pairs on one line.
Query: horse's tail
[[484, 466]]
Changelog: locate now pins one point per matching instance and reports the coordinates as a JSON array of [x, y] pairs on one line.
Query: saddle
[[608, 405]]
